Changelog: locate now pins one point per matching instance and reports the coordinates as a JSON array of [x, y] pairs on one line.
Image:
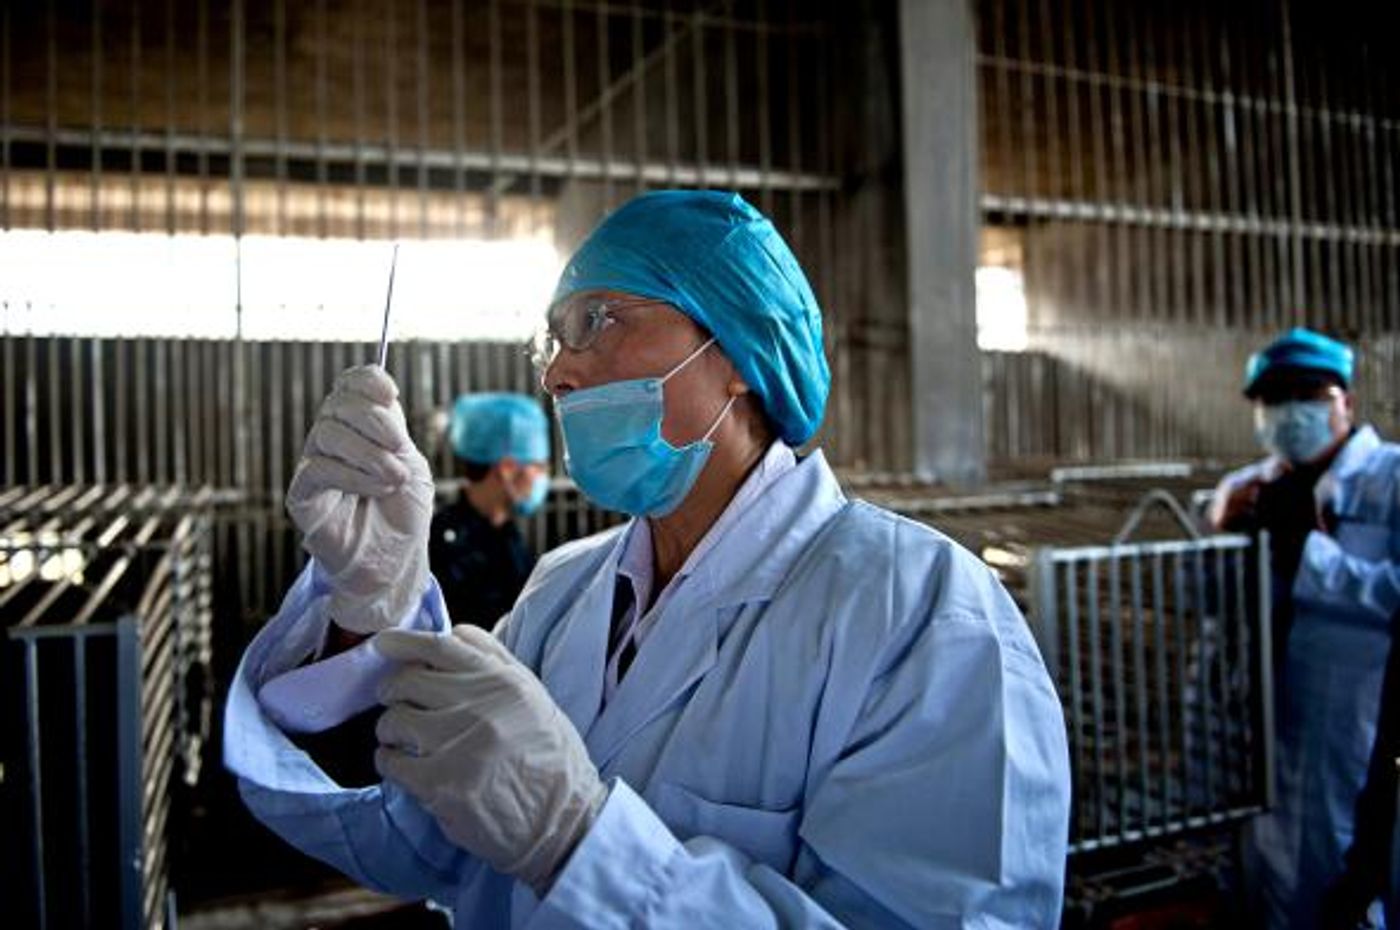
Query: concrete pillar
[[938, 92]]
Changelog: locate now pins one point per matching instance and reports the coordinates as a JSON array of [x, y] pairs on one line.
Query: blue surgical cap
[[721, 263], [1299, 350], [486, 428]]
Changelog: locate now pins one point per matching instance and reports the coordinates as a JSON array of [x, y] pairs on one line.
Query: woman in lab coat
[[758, 703]]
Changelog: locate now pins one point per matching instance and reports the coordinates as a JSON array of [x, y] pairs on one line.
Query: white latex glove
[[475, 737], [362, 496]]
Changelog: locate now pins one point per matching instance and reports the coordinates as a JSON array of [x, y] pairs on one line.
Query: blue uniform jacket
[[840, 720], [1346, 590]]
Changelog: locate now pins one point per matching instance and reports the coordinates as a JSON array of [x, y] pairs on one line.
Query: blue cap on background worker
[[508, 434], [1300, 384]]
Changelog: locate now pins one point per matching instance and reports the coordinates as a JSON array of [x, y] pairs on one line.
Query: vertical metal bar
[[606, 116], [422, 82], [1243, 685], [700, 104], [80, 777], [55, 417], [1140, 691], [532, 67], [391, 111], [1076, 697], [279, 107], [1265, 658], [357, 81], [1091, 590], [31, 410], [639, 97], [1120, 726], [10, 402], [1295, 184], [570, 75], [1222, 611], [5, 118], [179, 364], [459, 119], [100, 394], [50, 115], [497, 130], [140, 352], [1188, 770], [1164, 704], [322, 121], [1203, 675], [130, 849], [794, 121], [202, 56], [673, 124], [170, 117], [36, 778], [134, 174], [77, 471], [95, 133], [731, 108], [763, 91]]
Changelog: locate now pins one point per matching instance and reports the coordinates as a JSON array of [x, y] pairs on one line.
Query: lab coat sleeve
[[378, 836], [1331, 577], [947, 807]]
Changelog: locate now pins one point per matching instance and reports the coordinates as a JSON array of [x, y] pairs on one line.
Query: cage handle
[[1156, 496]]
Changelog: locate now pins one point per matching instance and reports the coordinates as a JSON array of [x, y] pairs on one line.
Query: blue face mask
[[539, 490], [614, 450], [1299, 430]]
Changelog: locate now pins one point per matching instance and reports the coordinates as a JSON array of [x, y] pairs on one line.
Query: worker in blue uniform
[[757, 703], [475, 549], [1329, 495]]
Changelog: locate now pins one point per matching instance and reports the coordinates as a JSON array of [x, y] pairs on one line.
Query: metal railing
[[1160, 651], [105, 594]]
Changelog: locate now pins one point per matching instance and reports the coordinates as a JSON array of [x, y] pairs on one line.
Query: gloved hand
[[362, 496], [472, 734]]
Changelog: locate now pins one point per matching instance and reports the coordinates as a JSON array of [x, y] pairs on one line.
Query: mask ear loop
[[719, 419], [687, 360]]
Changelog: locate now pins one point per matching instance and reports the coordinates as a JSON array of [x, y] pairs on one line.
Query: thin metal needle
[[388, 302]]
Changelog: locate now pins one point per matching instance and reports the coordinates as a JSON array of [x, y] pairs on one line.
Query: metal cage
[[105, 593]]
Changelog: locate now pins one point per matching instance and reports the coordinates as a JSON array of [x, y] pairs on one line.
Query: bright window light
[[143, 284], [1001, 309]]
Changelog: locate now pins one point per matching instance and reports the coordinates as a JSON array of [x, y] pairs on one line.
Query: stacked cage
[[105, 597]]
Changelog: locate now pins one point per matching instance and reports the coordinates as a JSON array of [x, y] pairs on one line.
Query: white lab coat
[[1346, 590], [840, 719]]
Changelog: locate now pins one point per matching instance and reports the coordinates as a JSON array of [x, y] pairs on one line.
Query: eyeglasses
[[576, 322]]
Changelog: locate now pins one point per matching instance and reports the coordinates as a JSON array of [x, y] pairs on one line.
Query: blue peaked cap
[[722, 263], [1300, 349], [488, 427]]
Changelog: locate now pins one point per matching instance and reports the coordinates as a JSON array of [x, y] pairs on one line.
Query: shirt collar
[[636, 563]]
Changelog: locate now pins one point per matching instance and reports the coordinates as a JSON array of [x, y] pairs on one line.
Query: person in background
[[475, 550], [755, 704], [1329, 496]]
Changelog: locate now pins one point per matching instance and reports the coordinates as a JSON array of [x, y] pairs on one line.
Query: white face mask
[[1299, 430]]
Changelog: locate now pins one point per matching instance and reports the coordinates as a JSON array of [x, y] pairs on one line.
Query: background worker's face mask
[[539, 490], [1298, 430], [614, 449]]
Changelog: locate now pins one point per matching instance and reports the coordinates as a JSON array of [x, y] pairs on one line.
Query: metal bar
[[95, 85], [1264, 657], [80, 775], [1120, 699], [133, 172], [604, 79], [1076, 690], [507, 163], [497, 140], [1140, 691], [1179, 600], [389, 23], [1096, 676], [1203, 675], [1164, 705], [422, 84], [36, 781], [129, 774]]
